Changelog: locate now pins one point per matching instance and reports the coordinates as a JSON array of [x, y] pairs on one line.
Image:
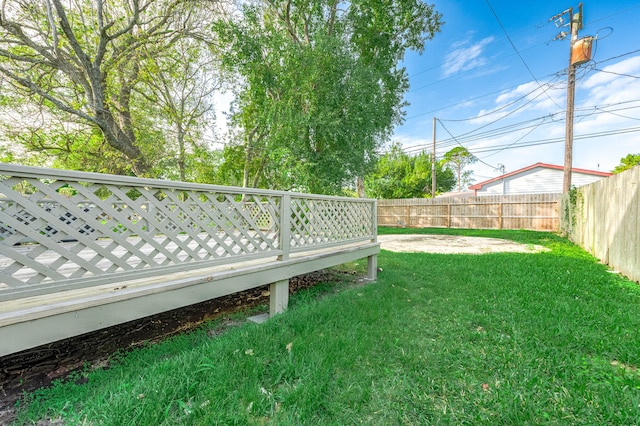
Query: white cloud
[[610, 73], [527, 97], [466, 55], [518, 92], [614, 84], [606, 103]]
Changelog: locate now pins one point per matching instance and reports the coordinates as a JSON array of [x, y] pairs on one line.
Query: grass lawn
[[504, 338]]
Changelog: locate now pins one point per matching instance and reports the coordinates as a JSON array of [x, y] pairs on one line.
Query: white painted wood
[[87, 229], [278, 297], [372, 267], [82, 251], [38, 320], [285, 226], [538, 180]]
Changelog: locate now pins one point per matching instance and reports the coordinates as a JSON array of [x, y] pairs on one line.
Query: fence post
[[500, 215], [372, 261], [279, 290], [278, 297], [374, 220], [285, 226], [407, 215]]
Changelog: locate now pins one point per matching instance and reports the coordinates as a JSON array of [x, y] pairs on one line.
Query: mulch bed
[[35, 368]]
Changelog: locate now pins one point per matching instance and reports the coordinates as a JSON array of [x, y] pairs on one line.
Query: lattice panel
[[62, 229], [68, 231], [316, 222]]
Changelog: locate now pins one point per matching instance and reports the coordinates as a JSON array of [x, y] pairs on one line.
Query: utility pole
[[575, 22], [433, 162]]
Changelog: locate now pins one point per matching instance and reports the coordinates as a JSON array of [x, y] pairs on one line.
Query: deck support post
[[372, 267], [279, 297]]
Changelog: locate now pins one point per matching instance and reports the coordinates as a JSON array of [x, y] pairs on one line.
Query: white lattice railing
[[61, 229]]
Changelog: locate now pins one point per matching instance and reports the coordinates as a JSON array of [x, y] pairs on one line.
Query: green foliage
[[571, 203], [459, 158], [399, 175], [81, 149], [628, 162], [502, 338], [86, 71], [321, 86]]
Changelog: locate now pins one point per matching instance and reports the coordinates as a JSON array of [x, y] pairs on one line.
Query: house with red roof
[[536, 179]]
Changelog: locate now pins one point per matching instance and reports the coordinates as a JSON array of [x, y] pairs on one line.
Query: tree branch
[[71, 37], [34, 88]]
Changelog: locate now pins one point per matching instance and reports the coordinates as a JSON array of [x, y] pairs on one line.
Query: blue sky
[[496, 90]]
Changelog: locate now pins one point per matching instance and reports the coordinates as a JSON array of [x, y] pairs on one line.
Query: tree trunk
[[119, 140], [360, 186], [181, 152]]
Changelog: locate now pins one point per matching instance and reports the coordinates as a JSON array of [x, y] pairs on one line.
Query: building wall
[[536, 181]]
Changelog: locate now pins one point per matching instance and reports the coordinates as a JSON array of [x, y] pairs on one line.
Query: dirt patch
[[415, 243]]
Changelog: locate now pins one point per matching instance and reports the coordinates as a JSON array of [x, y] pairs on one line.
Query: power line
[[616, 73], [485, 135], [501, 118], [518, 52], [614, 14], [527, 124], [519, 139], [618, 56], [557, 74], [537, 26], [559, 139], [464, 72], [502, 107], [550, 84], [454, 138]]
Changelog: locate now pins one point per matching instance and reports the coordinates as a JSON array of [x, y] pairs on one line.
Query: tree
[[628, 162], [320, 87], [180, 86], [399, 175], [81, 62], [459, 158]]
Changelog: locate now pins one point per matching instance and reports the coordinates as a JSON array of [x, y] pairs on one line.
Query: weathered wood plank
[[604, 218], [34, 321], [521, 211]]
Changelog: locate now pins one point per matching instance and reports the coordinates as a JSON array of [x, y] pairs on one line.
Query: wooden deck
[[37, 320], [84, 251]]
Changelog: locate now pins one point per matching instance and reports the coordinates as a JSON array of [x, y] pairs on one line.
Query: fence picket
[[522, 211]]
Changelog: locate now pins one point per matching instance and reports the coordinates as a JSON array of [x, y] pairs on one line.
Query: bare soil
[[413, 243]]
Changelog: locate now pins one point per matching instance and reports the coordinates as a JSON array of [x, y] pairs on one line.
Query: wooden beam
[[26, 325]]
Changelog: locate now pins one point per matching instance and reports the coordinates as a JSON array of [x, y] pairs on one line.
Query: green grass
[[505, 338]]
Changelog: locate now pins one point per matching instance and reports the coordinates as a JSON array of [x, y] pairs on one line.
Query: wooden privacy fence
[[604, 218], [82, 251], [521, 211]]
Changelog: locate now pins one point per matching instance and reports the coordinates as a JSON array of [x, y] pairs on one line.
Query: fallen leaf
[[289, 346]]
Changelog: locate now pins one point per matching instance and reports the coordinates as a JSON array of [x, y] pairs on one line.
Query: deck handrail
[[63, 229]]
